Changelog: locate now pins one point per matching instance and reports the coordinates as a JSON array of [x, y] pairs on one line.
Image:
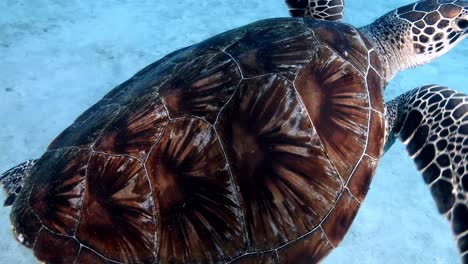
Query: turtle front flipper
[[12, 180], [324, 10], [432, 121]]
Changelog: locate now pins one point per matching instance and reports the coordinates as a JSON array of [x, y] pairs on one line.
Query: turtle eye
[[462, 24]]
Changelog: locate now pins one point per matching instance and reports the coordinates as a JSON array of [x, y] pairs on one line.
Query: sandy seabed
[[57, 58]]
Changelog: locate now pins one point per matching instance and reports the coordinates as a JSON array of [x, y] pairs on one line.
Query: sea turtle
[[257, 145]]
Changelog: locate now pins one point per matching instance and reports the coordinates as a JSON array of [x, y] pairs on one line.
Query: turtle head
[[418, 33], [436, 27]]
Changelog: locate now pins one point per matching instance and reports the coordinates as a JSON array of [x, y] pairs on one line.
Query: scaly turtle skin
[[432, 122], [255, 146]]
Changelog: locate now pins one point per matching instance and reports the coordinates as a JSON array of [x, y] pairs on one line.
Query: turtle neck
[[391, 38]]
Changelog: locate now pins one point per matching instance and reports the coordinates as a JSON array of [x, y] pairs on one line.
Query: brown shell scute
[[345, 41], [57, 194], [117, 218], [200, 218], [279, 46], [336, 99], [276, 159], [134, 132], [207, 84], [83, 198], [340, 218]]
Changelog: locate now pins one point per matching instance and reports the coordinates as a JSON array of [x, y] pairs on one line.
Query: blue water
[[58, 57]]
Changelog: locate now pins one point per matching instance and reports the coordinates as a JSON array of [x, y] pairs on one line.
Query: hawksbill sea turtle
[[257, 145]]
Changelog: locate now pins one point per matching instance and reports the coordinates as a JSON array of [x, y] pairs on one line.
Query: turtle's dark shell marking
[[255, 146]]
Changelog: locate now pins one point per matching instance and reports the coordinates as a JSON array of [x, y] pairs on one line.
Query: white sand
[[57, 58]]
